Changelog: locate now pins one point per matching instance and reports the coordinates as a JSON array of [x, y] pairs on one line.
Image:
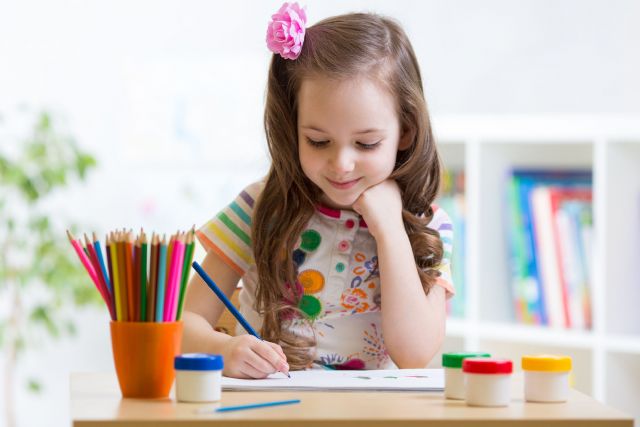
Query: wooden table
[[96, 402]]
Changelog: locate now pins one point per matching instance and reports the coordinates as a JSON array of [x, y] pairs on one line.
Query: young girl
[[344, 259]]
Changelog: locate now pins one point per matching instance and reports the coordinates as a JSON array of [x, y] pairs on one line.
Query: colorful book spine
[[537, 280]]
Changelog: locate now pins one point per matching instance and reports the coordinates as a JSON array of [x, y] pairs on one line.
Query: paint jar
[[453, 376], [487, 381], [198, 377], [546, 378]]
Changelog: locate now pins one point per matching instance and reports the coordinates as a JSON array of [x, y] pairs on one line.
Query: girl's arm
[[244, 356], [413, 324]]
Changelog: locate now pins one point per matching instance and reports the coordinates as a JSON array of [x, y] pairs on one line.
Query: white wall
[[169, 94]]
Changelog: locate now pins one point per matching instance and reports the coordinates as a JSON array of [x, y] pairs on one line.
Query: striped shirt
[[338, 279]]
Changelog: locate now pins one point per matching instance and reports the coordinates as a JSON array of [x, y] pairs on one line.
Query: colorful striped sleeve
[[442, 223], [229, 232]]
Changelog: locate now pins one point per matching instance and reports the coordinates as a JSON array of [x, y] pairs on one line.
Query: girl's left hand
[[381, 207]]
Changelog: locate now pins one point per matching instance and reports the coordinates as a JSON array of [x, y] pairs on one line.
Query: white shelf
[[526, 334], [486, 148], [629, 344]]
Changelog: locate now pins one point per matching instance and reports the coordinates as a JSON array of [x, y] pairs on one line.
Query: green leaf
[[34, 386], [84, 163], [40, 316]]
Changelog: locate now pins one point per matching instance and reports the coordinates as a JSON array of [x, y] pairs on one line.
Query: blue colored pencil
[[257, 405], [212, 285], [96, 245], [162, 261], [209, 281]]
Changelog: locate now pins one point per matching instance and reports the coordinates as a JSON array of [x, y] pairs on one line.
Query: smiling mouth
[[344, 184]]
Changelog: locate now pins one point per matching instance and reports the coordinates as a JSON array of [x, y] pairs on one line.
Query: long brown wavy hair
[[340, 47]]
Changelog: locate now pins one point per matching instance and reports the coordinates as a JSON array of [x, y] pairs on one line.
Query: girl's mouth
[[343, 185]]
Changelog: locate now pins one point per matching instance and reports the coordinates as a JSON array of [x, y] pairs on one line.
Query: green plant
[[39, 275]]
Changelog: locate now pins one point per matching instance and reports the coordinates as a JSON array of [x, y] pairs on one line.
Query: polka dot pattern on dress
[[310, 305], [310, 240], [312, 281]]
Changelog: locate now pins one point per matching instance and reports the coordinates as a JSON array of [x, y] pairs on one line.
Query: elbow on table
[[419, 358]]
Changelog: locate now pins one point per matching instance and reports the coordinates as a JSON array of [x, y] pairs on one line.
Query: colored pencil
[[83, 257], [128, 254], [143, 277], [153, 278], [139, 279], [104, 291], [216, 290], [135, 282], [169, 254], [110, 267], [122, 271], [257, 405], [117, 288], [176, 275], [212, 285], [188, 258], [105, 275], [88, 248], [162, 261], [177, 284]]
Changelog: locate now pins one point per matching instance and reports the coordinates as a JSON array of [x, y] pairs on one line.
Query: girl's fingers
[[277, 348], [251, 372], [257, 362], [269, 354]]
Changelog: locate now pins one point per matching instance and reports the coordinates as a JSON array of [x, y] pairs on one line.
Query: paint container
[[487, 381], [453, 376], [546, 378], [198, 377]]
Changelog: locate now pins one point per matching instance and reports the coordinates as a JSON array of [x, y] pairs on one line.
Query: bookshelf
[[606, 357]]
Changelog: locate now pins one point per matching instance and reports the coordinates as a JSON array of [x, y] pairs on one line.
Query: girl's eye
[[317, 143], [366, 146]]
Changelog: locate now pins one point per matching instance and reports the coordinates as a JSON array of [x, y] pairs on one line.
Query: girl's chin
[[344, 203]]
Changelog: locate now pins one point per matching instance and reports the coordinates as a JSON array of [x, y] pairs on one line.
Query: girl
[[340, 245]]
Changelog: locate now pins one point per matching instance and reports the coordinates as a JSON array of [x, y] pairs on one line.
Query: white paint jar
[[198, 377], [546, 378], [487, 381], [453, 376]]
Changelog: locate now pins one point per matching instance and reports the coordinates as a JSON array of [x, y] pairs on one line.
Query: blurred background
[[155, 110]]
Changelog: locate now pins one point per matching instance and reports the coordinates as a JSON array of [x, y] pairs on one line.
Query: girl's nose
[[342, 161]]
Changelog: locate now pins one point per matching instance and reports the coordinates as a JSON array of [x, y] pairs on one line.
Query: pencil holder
[[143, 354]]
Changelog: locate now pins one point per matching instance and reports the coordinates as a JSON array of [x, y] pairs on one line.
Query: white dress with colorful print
[[337, 271]]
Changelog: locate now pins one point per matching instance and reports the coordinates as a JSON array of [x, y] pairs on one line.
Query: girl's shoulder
[[440, 220], [252, 191]]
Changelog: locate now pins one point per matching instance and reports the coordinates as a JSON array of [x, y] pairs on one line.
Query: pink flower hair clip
[[285, 33]]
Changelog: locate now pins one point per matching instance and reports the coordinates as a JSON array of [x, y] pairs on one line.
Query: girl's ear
[[406, 139]]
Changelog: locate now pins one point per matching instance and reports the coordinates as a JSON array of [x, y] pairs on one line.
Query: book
[[547, 256], [569, 257], [526, 284], [356, 380]]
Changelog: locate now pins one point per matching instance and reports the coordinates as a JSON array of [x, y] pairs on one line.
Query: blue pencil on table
[[212, 285], [257, 405]]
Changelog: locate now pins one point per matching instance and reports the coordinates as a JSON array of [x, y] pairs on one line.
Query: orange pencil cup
[[143, 354]]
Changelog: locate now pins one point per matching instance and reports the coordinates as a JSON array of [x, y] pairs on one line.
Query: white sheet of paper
[[320, 379]]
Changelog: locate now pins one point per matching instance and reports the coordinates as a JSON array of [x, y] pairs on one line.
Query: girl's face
[[348, 136]]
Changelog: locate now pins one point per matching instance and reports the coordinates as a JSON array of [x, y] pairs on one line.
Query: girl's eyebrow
[[359, 132]]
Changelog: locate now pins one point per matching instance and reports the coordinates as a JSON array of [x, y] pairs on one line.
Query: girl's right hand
[[246, 356]]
